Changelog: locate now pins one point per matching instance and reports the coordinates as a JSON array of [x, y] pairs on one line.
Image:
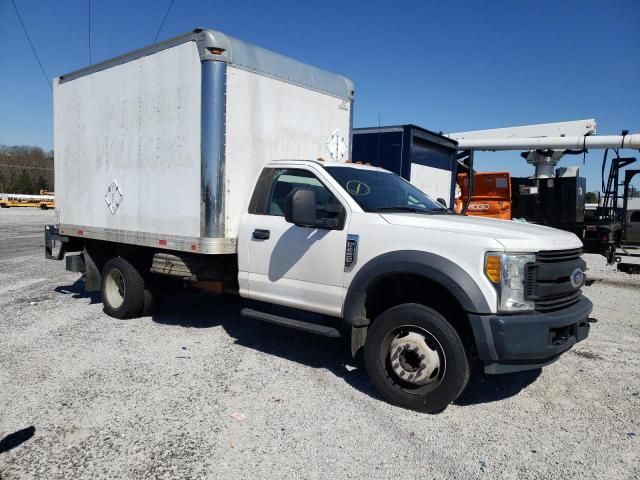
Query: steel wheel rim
[[433, 364], [114, 288]]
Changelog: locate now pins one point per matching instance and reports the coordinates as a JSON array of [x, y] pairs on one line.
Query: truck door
[[287, 264]]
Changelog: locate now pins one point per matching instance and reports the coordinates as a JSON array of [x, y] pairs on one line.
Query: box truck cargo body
[[160, 147]]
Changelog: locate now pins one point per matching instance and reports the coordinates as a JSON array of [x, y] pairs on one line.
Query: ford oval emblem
[[577, 278]]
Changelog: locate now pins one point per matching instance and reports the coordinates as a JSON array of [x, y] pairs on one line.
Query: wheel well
[[398, 288]]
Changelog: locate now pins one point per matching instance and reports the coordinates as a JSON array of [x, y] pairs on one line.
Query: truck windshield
[[380, 191]]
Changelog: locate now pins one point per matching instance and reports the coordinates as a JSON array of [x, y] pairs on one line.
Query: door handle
[[260, 234]]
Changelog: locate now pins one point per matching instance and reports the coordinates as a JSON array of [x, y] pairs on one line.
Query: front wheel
[[123, 293], [415, 358]]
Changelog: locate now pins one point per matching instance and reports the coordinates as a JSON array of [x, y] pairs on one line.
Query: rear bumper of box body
[[509, 343]]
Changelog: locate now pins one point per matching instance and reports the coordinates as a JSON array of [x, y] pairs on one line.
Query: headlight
[[507, 272]]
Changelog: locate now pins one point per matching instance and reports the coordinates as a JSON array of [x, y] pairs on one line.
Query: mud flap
[[92, 278]]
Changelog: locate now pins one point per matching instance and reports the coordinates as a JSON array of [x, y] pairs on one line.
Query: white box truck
[[197, 160]]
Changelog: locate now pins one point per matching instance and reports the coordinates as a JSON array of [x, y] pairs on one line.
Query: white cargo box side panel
[[269, 119], [136, 125]]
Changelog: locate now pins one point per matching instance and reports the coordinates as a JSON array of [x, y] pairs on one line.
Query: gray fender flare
[[429, 265]]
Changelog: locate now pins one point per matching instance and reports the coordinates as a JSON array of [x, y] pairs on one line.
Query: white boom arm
[[574, 128], [552, 143], [546, 142]]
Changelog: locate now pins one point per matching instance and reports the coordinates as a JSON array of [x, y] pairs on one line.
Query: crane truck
[[197, 159]]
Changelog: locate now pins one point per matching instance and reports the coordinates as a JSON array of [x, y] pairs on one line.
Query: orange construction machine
[[490, 195]]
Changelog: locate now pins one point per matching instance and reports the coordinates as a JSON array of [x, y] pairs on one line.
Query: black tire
[[43, 207], [149, 303], [122, 289], [155, 288], [446, 353]]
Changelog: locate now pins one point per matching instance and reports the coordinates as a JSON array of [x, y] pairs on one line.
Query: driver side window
[[275, 184], [284, 183]]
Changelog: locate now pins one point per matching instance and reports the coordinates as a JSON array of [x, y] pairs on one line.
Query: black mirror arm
[[330, 207], [329, 223]]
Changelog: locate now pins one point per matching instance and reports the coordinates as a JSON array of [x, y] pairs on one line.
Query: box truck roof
[[214, 45]]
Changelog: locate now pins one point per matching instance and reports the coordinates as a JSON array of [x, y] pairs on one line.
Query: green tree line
[[591, 197], [25, 169]]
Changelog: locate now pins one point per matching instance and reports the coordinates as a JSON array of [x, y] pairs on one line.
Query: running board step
[[323, 330]]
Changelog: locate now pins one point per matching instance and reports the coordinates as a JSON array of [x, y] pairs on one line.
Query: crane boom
[[551, 143], [545, 142], [573, 128]]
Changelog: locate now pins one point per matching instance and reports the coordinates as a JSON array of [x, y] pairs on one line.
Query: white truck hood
[[514, 236]]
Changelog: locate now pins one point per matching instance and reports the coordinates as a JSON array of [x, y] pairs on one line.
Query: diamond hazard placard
[[337, 146], [113, 197]]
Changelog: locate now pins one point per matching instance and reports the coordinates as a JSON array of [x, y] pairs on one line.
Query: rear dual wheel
[[415, 358], [123, 290]]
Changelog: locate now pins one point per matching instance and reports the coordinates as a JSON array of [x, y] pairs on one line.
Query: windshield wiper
[[399, 208]]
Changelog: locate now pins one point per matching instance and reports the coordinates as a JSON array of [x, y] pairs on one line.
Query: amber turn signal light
[[492, 267]]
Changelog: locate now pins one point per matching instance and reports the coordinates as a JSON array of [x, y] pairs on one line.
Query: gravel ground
[[154, 397], [599, 271]]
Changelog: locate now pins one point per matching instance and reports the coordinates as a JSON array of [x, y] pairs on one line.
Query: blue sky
[[444, 65]]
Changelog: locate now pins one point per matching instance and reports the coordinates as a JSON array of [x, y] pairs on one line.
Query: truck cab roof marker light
[[215, 50]]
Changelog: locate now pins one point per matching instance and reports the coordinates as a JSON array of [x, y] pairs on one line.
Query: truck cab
[[421, 290]]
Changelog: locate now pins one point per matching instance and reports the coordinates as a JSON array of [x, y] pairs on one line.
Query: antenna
[[378, 138]]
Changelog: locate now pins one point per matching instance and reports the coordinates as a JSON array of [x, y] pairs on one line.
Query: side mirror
[[442, 202], [300, 207]]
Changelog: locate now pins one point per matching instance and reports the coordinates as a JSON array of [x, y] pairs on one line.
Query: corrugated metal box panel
[[136, 125]]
